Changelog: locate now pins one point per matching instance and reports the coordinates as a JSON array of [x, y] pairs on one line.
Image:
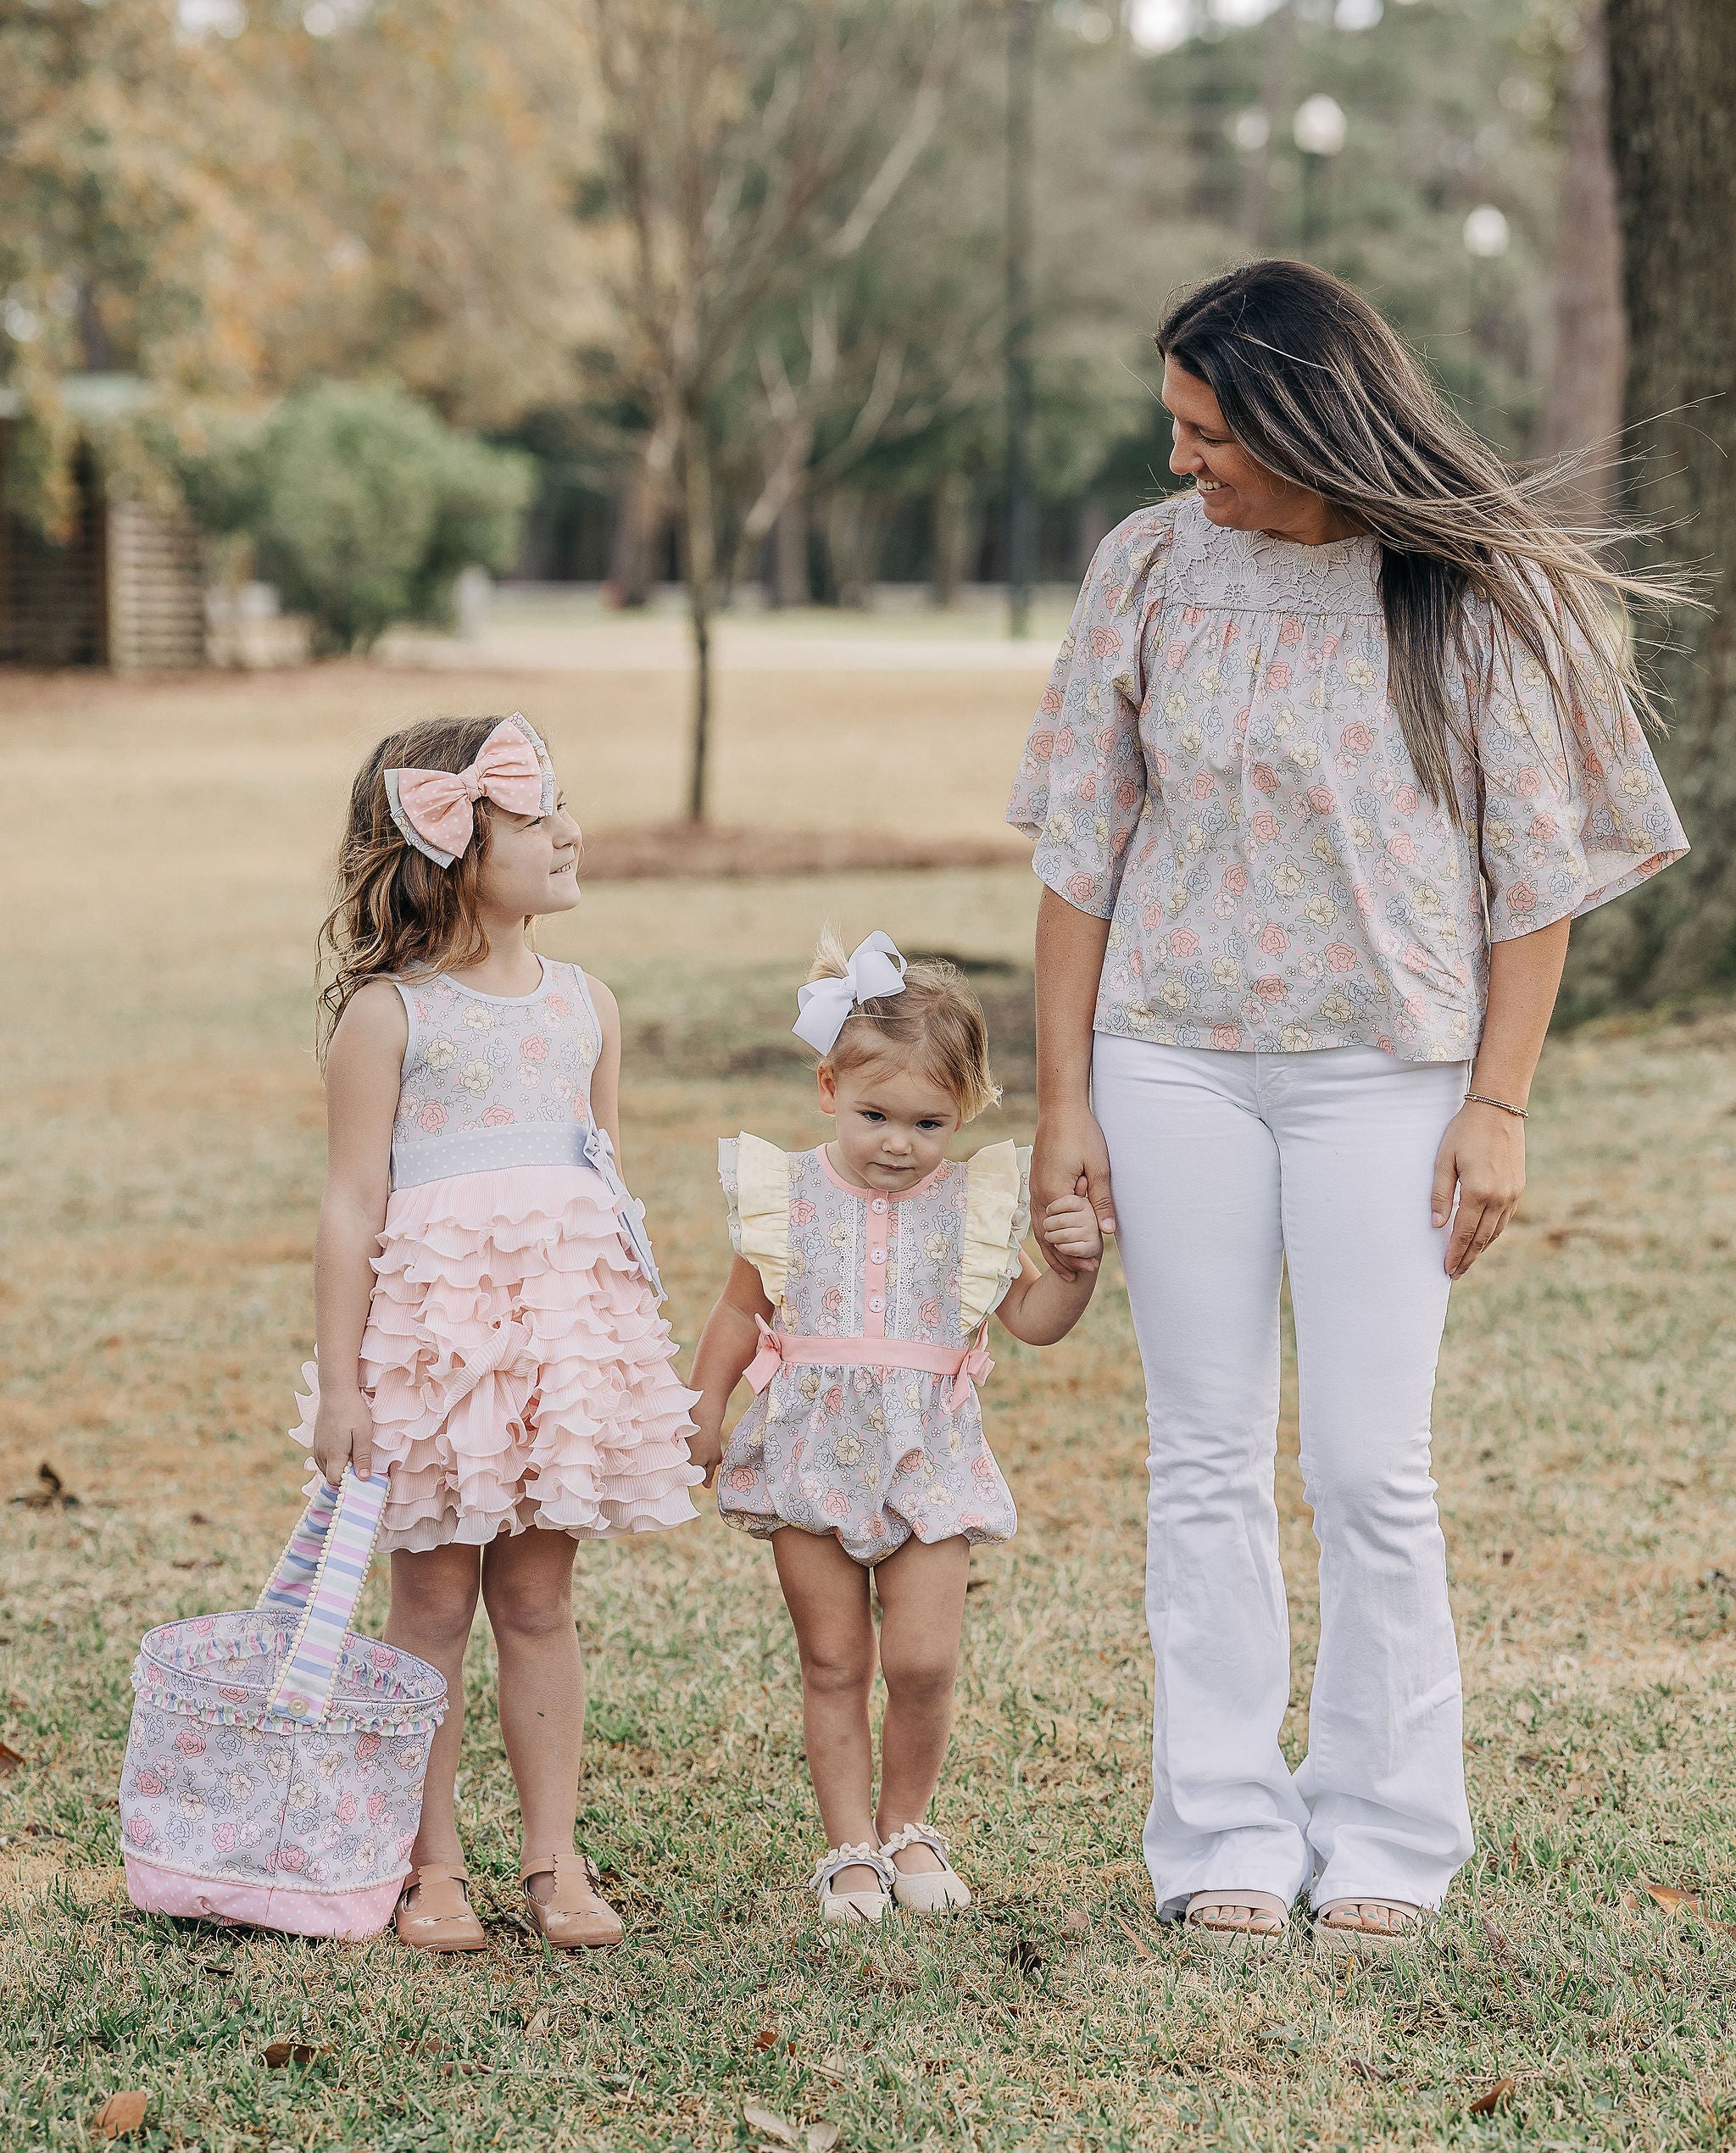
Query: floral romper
[[869, 1451]]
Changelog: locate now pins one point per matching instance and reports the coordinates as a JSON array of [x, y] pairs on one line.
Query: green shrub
[[364, 506]]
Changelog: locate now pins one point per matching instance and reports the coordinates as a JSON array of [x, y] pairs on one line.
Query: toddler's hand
[[344, 1434], [1070, 1227], [705, 1448]]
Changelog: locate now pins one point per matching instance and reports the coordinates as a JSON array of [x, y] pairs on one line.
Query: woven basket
[[274, 1771]]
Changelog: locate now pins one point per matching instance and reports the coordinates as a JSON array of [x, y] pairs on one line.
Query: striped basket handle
[[320, 1573]]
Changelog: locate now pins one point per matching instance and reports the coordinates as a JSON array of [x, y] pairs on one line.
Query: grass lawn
[[160, 1154]]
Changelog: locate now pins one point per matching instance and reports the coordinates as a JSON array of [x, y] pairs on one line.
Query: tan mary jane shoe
[[574, 1916], [441, 1918]]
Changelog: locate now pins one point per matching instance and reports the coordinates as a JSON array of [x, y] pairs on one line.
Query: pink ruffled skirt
[[519, 1371]]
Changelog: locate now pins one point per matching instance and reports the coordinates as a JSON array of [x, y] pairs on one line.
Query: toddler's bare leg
[[827, 1596], [922, 1616], [433, 1604], [527, 1588]]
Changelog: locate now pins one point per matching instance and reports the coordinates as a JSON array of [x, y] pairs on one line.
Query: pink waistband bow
[[966, 1364]]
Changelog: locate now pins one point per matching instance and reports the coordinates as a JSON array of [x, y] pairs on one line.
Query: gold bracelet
[[1483, 1098]]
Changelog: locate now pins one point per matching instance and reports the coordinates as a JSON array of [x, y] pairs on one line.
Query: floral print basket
[[274, 1772]]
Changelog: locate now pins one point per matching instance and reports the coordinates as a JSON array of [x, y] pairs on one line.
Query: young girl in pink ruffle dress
[[865, 1272], [487, 1300]]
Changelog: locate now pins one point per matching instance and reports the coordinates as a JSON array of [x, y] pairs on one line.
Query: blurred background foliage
[[232, 202]]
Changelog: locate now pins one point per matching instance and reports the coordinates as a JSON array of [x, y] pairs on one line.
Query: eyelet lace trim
[[864, 1857]]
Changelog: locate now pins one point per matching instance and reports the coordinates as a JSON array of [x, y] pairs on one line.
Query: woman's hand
[[1069, 1159], [1483, 1154], [1070, 1227], [343, 1432]]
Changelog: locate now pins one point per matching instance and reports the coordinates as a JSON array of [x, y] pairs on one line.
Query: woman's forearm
[[1070, 951], [1524, 977]]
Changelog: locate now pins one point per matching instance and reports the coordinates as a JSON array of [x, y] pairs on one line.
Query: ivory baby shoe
[[931, 1891], [853, 1906]]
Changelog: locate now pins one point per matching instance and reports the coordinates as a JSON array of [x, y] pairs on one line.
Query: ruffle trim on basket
[[519, 1372]]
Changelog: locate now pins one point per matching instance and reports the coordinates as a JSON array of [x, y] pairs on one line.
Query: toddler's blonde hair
[[936, 1024]]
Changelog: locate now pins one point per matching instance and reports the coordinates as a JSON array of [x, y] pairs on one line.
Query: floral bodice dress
[[517, 1369], [872, 1453], [1216, 770]]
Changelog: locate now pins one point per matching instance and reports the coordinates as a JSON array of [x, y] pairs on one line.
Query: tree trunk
[[642, 519], [789, 582], [1673, 108], [1277, 88], [852, 531], [699, 551], [1583, 405], [956, 534]]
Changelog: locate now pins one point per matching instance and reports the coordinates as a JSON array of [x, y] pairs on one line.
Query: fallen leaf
[[1076, 1923], [199, 1517], [121, 2113], [1514, 1850], [1529, 1759], [832, 2066], [1496, 2096], [1365, 2069], [537, 2027], [1024, 1957], [198, 1562], [1134, 1937], [278, 2053], [1497, 1943], [769, 2120], [1506, 1557], [766, 2038], [821, 2137], [1672, 1900], [49, 1492], [9, 1758]]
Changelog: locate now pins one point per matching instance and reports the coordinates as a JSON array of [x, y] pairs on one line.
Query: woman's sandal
[[574, 1916], [1364, 1927], [441, 1919], [853, 1906], [1230, 1919], [924, 1891]]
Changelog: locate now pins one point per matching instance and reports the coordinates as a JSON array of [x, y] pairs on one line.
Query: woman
[[1339, 741]]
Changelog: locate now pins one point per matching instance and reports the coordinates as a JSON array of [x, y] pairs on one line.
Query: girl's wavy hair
[[394, 914], [936, 1026], [1315, 386]]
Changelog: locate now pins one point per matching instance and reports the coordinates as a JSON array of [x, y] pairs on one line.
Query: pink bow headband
[[435, 809]]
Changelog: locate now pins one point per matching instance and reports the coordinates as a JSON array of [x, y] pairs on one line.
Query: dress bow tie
[[435, 809]]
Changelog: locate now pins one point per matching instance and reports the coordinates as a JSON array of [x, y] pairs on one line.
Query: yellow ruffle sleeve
[[756, 1180], [996, 1218]]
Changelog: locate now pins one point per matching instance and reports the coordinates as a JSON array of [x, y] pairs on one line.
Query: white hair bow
[[875, 968]]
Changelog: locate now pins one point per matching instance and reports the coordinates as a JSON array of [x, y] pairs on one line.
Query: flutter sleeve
[[1574, 810], [997, 1219], [756, 1186], [1081, 782]]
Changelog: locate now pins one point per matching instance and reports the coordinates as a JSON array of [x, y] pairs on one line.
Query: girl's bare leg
[[827, 1596], [527, 1588], [433, 1604], [922, 1618]]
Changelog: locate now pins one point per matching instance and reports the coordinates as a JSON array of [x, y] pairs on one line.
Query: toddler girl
[[858, 1308], [486, 1302]]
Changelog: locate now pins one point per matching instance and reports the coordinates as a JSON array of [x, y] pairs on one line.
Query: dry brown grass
[[159, 1161]]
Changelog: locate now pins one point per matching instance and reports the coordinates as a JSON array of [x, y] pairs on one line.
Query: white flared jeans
[[1226, 1168]]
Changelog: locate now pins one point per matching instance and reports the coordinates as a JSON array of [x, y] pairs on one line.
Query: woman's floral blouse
[[1215, 770]]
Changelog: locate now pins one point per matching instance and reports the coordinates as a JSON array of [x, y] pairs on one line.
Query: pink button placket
[[879, 1214]]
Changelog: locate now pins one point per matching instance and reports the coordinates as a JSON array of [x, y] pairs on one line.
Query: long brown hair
[[394, 913], [1315, 385]]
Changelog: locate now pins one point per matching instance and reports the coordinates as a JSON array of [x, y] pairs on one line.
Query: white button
[[879, 1205], [876, 1303], [877, 1255]]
